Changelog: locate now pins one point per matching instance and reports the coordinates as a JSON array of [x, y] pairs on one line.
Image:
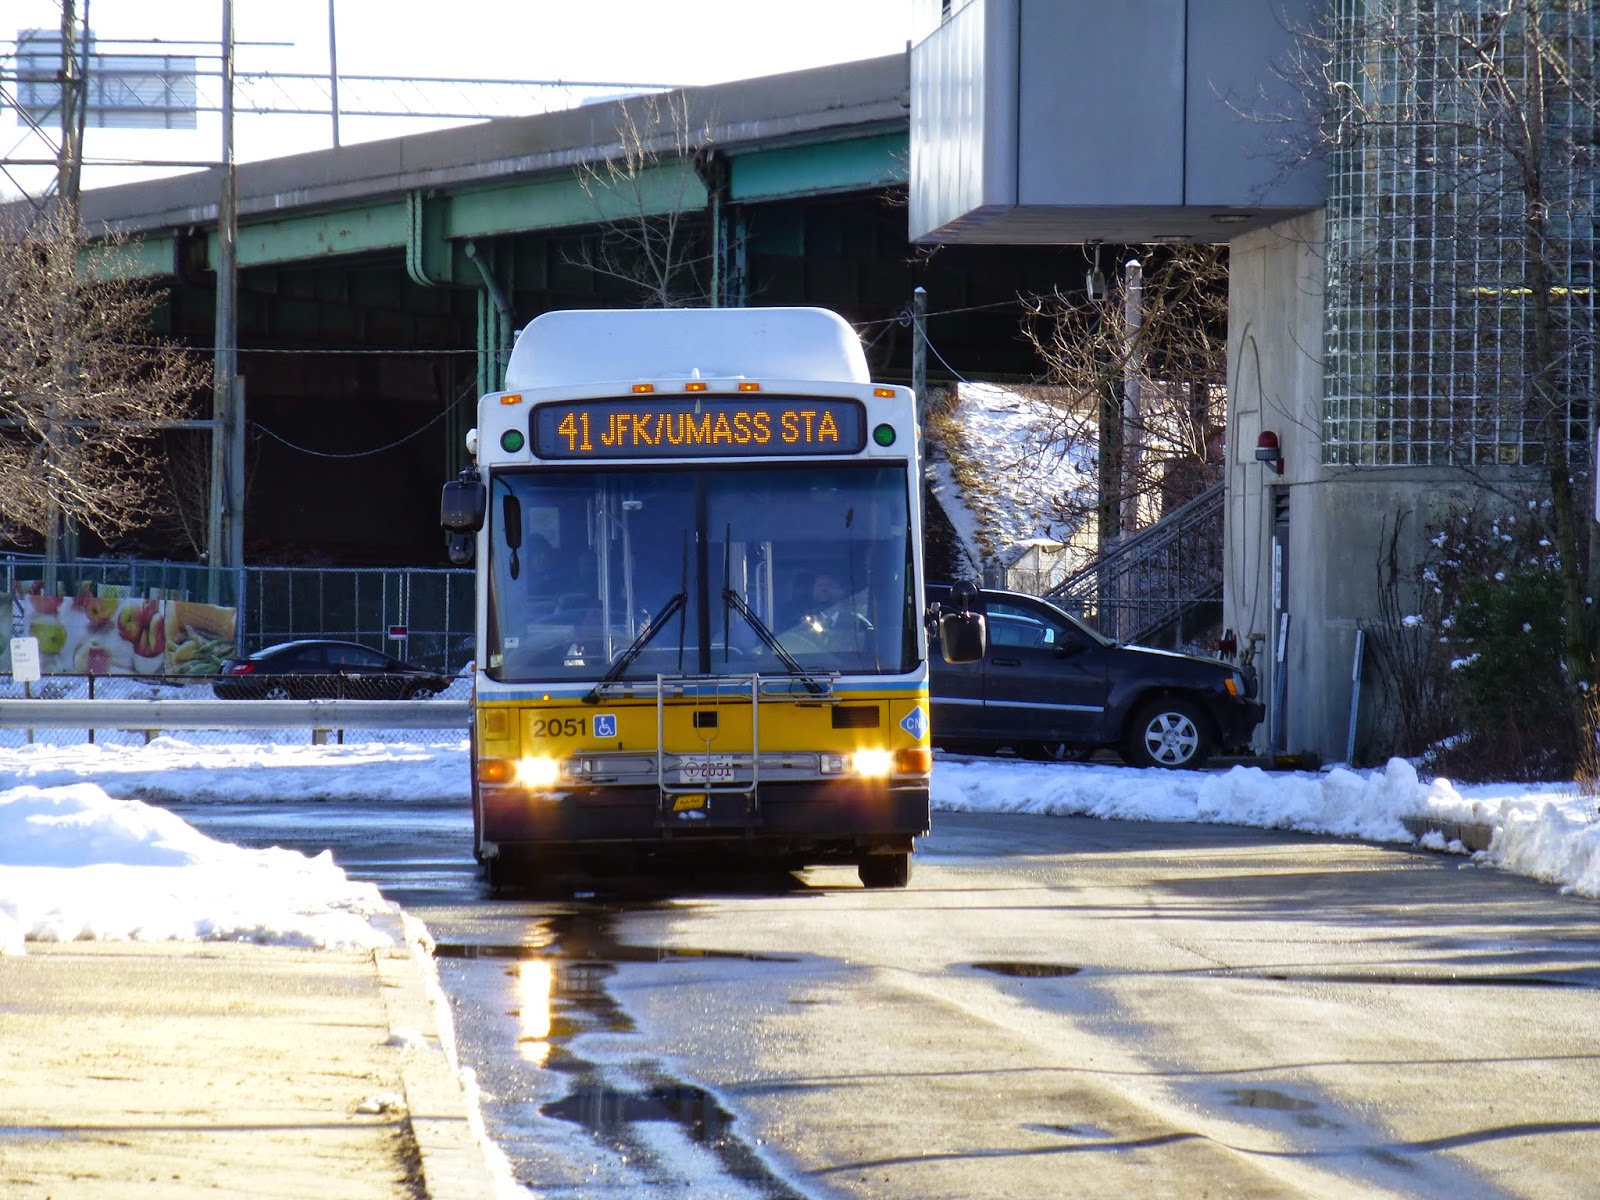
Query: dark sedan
[[322, 669], [1050, 687]]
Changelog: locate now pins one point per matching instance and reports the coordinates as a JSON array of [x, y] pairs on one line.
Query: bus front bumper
[[846, 816]]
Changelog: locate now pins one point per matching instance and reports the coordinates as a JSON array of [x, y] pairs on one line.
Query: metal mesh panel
[[433, 605], [1432, 332]]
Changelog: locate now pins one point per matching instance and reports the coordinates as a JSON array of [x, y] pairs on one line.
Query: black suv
[[1051, 688]]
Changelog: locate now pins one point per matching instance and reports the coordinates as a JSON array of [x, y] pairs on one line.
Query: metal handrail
[[1146, 583], [234, 714]]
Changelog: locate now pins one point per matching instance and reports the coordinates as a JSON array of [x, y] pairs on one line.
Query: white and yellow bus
[[700, 625]]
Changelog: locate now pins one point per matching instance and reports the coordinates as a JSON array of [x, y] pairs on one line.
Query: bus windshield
[[686, 570]]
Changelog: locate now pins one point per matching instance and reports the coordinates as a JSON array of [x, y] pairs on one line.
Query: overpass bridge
[[380, 284]]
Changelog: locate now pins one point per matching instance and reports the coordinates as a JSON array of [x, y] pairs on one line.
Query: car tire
[[277, 691], [1172, 733], [885, 870], [418, 691]]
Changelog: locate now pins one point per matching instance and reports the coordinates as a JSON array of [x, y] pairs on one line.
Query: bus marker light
[[695, 385], [512, 440], [883, 393], [747, 385], [644, 387], [511, 398], [494, 770], [913, 762], [883, 435]]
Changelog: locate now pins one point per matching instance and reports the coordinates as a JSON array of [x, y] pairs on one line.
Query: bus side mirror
[[463, 503], [962, 637]]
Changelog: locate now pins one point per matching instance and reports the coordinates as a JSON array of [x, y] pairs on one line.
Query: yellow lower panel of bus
[[559, 731]]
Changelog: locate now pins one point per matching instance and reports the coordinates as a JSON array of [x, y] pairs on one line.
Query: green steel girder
[[784, 172], [431, 227], [356, 230], [139, 258], [566, 201]]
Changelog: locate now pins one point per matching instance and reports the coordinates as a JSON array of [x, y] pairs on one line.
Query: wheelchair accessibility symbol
[[605, 725]]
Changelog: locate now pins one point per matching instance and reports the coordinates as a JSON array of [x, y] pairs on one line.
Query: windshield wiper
[[625, 659], [732, 599]]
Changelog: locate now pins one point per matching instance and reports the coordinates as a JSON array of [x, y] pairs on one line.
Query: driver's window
[[1041, 630]]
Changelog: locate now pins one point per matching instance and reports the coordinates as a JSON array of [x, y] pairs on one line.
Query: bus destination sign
[[698, 426]]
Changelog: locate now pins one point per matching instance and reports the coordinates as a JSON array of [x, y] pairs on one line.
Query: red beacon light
[[1268, 451]]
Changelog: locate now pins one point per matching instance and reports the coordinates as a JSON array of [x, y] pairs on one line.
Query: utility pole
[[225, 542], [61, 537], [1132, 417], [919, 352], [333, 71]]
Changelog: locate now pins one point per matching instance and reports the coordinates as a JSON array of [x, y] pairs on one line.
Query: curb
[[1473, 836], [446, 1130]]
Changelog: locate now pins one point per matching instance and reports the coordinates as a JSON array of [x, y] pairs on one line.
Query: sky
[[684, 42]]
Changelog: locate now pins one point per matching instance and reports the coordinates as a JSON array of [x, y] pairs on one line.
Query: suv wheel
[[1168, 733]]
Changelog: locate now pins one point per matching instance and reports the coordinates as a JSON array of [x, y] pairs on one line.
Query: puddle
[[1303, 1111], [556, 979], [1087, 1132], [601, 1109], [1022, 970], [615, 952], [1266, 1098], [1393, 980], [35, 1133]]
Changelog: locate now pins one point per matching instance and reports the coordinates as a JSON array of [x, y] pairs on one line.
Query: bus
[[700, 629]]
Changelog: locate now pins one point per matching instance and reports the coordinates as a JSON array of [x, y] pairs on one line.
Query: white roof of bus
[[576, 347]]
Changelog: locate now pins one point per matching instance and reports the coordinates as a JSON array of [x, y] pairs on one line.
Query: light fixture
[[1268, 450], [1230, 218]]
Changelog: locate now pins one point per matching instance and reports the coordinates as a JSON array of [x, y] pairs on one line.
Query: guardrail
[[153, 716]]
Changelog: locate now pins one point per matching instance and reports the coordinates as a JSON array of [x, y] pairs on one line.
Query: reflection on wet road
[[1141, 1009]]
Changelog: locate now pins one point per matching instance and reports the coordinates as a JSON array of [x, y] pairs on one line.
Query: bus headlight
[[537, 774], [873, 764]]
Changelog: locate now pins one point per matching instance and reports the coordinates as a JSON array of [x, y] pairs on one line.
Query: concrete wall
[[1339, 518], [1274, 383]]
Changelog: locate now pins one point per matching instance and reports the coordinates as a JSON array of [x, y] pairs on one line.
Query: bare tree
[[84, 386], [1140, 385], [653, 230], [1461, 138]]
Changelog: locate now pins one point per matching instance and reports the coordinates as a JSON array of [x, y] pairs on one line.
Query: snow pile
[[78, 864], [82, 857]]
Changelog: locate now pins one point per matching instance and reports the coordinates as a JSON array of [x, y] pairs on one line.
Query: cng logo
[[915, 723], [605, 725]]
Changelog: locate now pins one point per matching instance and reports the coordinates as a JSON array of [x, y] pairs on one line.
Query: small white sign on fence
[[25, 659]]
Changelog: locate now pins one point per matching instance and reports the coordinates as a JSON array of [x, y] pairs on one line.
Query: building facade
[[1408, 193]]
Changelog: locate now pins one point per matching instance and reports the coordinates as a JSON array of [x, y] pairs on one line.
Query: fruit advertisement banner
[[115, 635]]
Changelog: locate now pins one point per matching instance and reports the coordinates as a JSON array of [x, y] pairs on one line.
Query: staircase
[[1160, 585]]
